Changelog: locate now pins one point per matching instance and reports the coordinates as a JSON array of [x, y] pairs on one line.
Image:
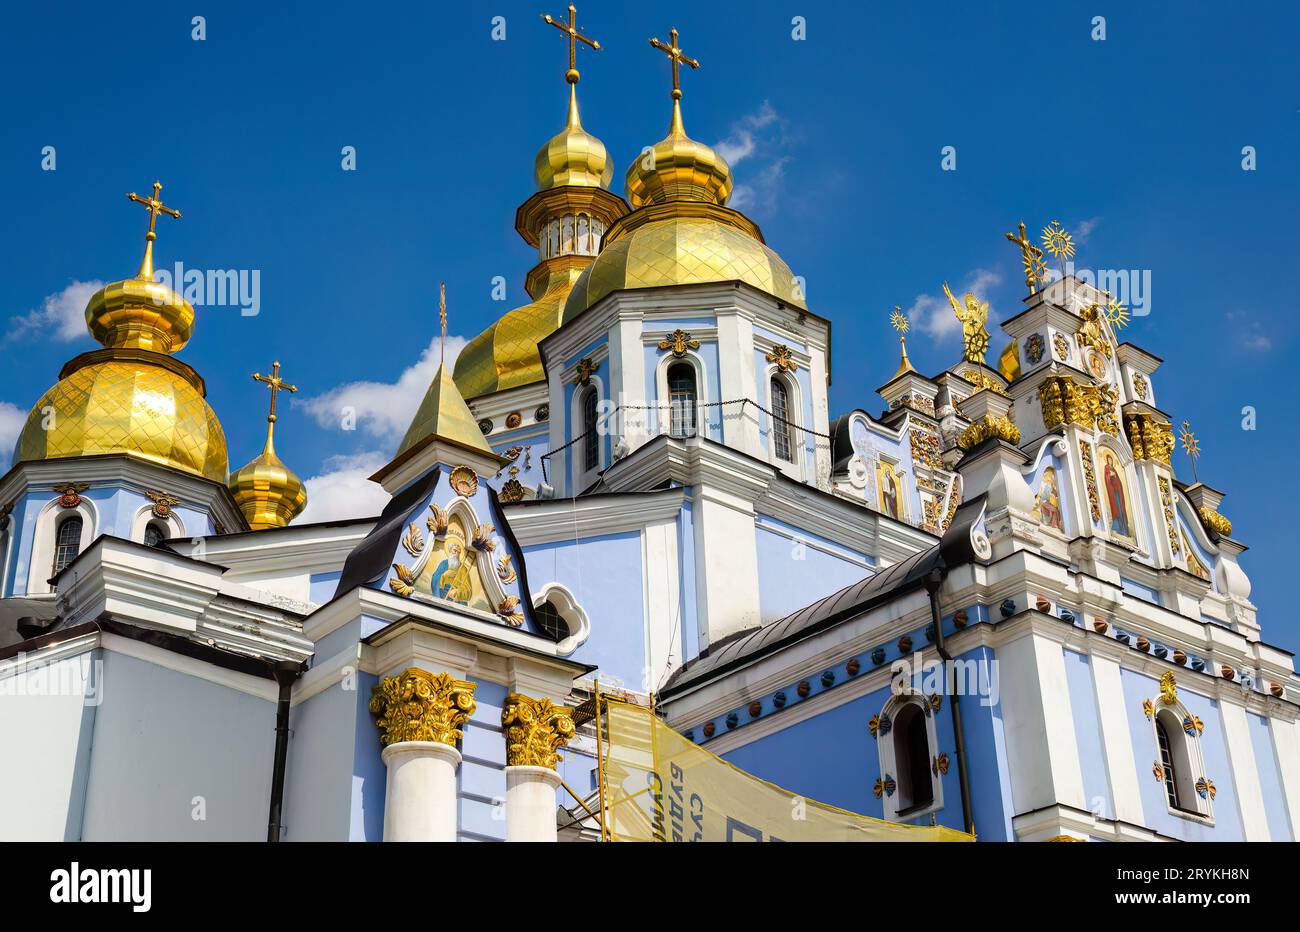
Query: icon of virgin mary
[[1119, 520]]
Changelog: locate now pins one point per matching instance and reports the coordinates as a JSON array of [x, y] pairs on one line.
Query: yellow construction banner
[[658, 786]]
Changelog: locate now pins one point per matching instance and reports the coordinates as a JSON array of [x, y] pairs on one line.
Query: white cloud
[[1083, 229], [757, 138], [382, 410], [741, 144], [933, 315], [342, 489], [61, 316], [12, 419]]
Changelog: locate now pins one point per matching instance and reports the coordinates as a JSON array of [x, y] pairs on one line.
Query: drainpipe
[[933, 580], [286, 673]]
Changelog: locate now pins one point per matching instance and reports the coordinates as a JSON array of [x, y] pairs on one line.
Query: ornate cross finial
[[570, 29], [276, 384], [1058, 241], [678, 58], [1032, 257], [1191, 446], [155, 206], [898, 320]]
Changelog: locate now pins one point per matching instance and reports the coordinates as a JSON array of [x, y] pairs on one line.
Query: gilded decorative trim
[[679, 343], [70, 493], [1215, 522], [417, 705], [1205, 787], [1150, 437], [1193, 725], [512, 490], [879, 725], [885, 786], [1167, 505], [925, 448], [988, 427], [586, 368], [162, 503], [1090, 478], [984, 380], [782, 355], [464, 481], [1090, 335], [1065, 401], [939, 766], [1168, 688], [535, 730]]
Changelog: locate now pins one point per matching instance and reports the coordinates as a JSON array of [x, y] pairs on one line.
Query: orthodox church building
[[1022, 622]]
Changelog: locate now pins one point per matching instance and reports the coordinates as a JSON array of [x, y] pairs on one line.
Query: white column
[[531, 803], [1241, 759], [726, 551], [1117, 742], [420, 800]]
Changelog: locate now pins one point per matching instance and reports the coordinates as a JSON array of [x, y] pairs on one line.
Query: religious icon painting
[[451, 572], [1047, 506], [889, 489], [1035, 346], [1062, 347], [1096, 365], [1116, 495]]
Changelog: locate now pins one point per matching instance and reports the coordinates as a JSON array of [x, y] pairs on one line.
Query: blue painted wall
[[796, 568], [1087, 734], [1270, 778], [605, 575]]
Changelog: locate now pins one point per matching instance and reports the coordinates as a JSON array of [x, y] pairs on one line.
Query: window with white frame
[[67, 542], [908, 751], [781, 440], [682, 396]]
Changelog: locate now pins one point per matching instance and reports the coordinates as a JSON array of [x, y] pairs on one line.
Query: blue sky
[[1133, 142]]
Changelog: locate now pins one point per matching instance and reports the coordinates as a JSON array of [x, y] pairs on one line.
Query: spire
[[268, 492], [155, 206], [898, 320], [573, 156], [678, 168]]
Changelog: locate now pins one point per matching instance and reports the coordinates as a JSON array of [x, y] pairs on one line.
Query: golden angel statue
[[973, 317]]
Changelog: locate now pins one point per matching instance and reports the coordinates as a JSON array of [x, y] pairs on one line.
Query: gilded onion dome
[[573, 157], [131, 397], [268, 492], [565, 219], [681, 232]]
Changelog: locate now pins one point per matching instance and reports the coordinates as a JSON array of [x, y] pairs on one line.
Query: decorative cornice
[[989, 427], [535, 730], [417, 705]]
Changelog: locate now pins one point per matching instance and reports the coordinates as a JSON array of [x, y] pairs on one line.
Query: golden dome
[[682, 169], [131, 397], [506, 355], [267, 491], [118, 401], [573, 157], [682, 249], [140, 314]]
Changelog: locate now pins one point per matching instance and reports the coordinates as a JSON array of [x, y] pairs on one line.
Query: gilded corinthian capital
[[535, 730], [417, 705]]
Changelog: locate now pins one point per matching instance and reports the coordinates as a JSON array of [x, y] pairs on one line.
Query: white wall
[[45, 731], [163, 739]]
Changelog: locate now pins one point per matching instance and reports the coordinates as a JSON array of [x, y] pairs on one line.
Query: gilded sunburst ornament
[[898, 320], [1057, 241], [1116, 314]]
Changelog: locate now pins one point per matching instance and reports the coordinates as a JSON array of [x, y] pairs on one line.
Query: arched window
[[1176, 761], [781, 420], [681, 399], [912, 758], [67, 542], [153, 535], [591, 438]]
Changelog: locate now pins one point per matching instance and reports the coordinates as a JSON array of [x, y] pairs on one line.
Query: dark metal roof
[[745, 646]]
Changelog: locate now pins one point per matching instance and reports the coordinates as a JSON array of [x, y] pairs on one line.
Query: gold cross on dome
[[678, 58], [570, 29], [276, 384], [155, 206]]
